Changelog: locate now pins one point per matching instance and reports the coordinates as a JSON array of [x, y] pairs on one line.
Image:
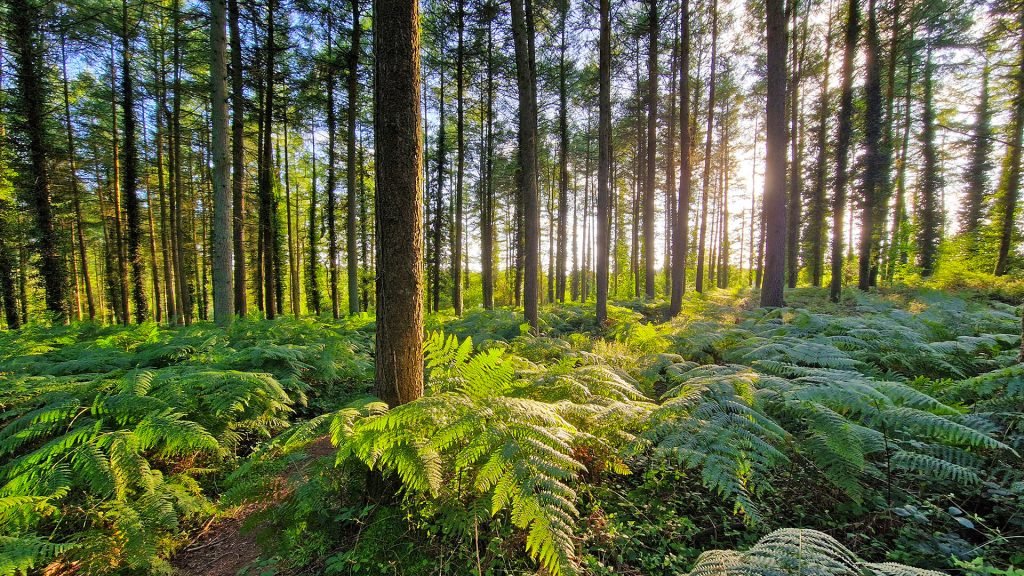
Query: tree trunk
[[399, 211], [439, 211], [929, 215], [487, 203], [526, 79], [312, 259], [223, 293], [332, 207], [460, 161], [977, 172], [237, 164], [775, 157], [681, 230], [793, 206], [816, 222], [28, 47], [266, 216], [75, 191], [652, 139], [563, 161], [1009, 180], [873, 154], [350, 165], [842, 149], [604, 159], [706, 176]]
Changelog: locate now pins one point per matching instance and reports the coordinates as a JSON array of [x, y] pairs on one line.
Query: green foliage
[[796, 552]]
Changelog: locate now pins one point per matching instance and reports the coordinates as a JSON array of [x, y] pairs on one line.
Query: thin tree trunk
[[681, 229], [75, 191], [816, 221], [706, 176], [350, 165], [563, 160], [604, 158], [237, 165], [652, 139], [928, 210], [842, 149], [460, 162], [267, 230]]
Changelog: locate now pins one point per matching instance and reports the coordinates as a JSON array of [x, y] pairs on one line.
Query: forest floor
[[227, 544], [891, 421]]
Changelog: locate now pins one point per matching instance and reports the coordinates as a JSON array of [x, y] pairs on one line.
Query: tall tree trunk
[[332, 207], [604, 158], [460, 161], [267, 229], [76, 200], [131, 173], [1009, 180], [842, 148], [237, 164], [977, 172], [775, 157], [873, 154], [706, 175], [487, 203], [793, 204], [439, 211], [563, 160], [350, 165], [293, 245], [399, 211], [816, 225], [28, 48], [178, 233], [681, 229], [526, 79], [223, 292], [312, 259], [928, 209], [652, 139]]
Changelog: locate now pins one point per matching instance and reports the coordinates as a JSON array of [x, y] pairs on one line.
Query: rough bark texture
[[223, 293], [237, 163], [775, 157], [526, 79], [28, 58], [460, 164], [332, 199], [399, 210]]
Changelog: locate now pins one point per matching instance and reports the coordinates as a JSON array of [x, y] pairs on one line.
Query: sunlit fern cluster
[[107, 429], [793, 552]]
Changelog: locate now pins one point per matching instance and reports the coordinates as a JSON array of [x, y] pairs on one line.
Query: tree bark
[[237, 164], [775, 157], [350, 164], [681, 230], [873, 154], [223, 292], [652, 140], [399, 210], [526, 79], [1009, 180], [706, 176], [842, 149], [460, 161]]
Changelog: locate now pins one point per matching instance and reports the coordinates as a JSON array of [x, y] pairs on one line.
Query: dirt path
[[222, 547]]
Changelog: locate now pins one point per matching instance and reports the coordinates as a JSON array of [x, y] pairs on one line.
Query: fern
[[796, 552]]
